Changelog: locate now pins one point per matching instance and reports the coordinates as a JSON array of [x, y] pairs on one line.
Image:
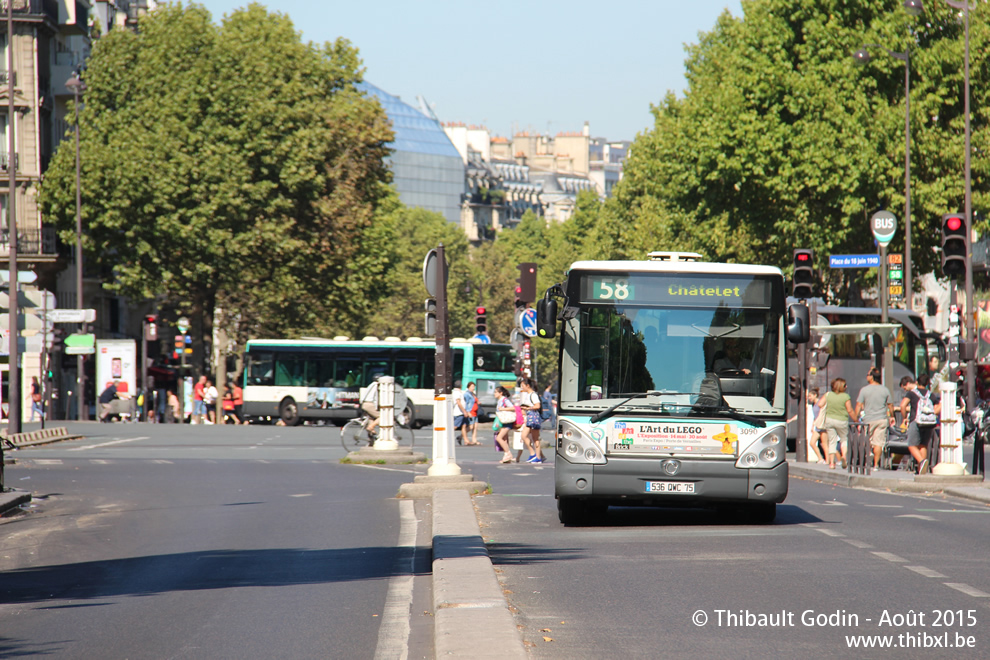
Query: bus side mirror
[[546, 318], [798, 324]]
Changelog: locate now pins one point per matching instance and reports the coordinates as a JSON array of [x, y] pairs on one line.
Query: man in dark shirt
[[918, 437], [107, 399]]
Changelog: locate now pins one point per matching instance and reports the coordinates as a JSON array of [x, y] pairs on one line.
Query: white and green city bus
[[322, 379], [673, 384]]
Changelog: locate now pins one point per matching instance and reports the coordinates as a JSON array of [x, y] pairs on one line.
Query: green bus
[[322, 379]]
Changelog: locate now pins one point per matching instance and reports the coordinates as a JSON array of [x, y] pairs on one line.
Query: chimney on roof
[[586, 131]]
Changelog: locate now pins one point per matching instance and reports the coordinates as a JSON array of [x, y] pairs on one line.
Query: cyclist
[[369, 404]]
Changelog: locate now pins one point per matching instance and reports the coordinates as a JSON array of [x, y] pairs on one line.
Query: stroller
[[897, 444]]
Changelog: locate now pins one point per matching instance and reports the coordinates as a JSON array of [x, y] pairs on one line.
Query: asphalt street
[[147, 541], [837, 563]]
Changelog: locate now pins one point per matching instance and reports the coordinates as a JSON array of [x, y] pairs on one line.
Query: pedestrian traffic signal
[[794, 387], [953, 245], [804, 274], [150, 327], [58, 340], [480, 320], [526, 291]]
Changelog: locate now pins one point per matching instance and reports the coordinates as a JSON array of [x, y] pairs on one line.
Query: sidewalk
[[971, 487]]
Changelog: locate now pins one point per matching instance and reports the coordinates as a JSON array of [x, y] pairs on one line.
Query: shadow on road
[[645, 516], [522, 553], [192, 571]]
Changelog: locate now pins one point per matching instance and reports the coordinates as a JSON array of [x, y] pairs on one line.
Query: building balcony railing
[[46, 8], [36, 241]]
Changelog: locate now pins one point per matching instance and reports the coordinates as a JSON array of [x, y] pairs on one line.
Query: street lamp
[[914, 8], [971, 339], [77, 86]]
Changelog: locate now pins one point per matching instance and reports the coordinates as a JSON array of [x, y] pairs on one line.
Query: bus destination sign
[[679, 290]]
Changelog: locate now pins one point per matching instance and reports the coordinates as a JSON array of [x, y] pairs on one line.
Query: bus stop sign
[[883, 224]]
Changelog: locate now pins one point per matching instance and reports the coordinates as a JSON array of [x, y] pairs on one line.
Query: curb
[[40, 437], [13, 499], [968, 486], [471, 615]]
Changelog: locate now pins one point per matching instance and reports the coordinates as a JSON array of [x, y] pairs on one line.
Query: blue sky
[[517, 64]]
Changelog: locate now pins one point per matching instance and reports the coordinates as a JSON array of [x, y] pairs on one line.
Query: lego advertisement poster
[[676, 436]]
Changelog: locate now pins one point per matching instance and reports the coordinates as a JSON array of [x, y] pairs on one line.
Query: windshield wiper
[[597, 417], [726, 410]]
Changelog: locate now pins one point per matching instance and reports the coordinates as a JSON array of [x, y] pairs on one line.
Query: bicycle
[[354, 434]]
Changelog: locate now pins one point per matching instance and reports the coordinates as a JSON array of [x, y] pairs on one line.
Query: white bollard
[[386, 415], [950, 450], [444, 463]]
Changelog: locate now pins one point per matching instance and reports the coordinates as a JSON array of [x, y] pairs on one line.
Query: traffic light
[[150, 327], [953, 245], [58, 340], [804, 274], [430, 327], [526, 289], [794, 387], [480, 320]]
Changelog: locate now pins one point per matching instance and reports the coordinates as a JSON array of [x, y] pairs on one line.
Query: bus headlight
[[577, 447], [766, 451]]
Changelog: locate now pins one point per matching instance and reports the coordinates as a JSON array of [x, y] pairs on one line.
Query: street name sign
[[70, 315], [854, 261]]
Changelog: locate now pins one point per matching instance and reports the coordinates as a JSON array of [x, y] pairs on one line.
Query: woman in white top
[[530, 404]]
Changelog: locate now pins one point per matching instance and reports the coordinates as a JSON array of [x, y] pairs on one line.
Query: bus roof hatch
[[674, 256]]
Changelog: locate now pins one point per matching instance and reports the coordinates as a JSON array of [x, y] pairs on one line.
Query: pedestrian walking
[[228, 405], [199, 408], [469, 405], [210, 396], [505, 412], [920, 409], [36, 406], [530, 404], [875, 409], [838, 412]]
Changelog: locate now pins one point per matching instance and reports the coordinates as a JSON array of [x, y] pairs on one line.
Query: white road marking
[[302, 495], [857, 543], [393, 634], [48, 461], [968, 590], [927, 572], [107, 444], [99, 461], [162, 461], [889, 556], [915, 515], [829, 532], [885, 506]]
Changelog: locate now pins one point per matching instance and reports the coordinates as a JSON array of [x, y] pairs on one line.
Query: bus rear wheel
[[288, 410]]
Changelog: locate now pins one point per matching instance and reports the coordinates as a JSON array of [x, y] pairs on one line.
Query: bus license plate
[[669, 487]]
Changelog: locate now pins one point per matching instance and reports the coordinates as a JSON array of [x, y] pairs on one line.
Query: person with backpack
[[920, 407], [546, 405], [838, 411], [530, 404]]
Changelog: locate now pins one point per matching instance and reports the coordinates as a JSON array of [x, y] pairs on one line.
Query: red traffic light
[[479, 311], [802, 256], [953, 223], [150, 318]]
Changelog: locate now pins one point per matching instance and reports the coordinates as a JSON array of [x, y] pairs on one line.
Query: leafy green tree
[[781, 141], [230, 167]]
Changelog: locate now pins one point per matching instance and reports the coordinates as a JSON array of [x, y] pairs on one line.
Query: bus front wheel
[[288, 410], [762, 513], [572, 511]]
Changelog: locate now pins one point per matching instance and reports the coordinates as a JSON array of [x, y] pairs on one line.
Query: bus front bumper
[[625, 480]]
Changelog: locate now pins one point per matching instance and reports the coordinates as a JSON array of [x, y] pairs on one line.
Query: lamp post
[[77, 86], [13, 374], [914, 8], [971, 339]]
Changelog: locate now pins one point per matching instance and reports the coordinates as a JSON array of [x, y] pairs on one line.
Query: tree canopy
[[782, 140], [228, 166]]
